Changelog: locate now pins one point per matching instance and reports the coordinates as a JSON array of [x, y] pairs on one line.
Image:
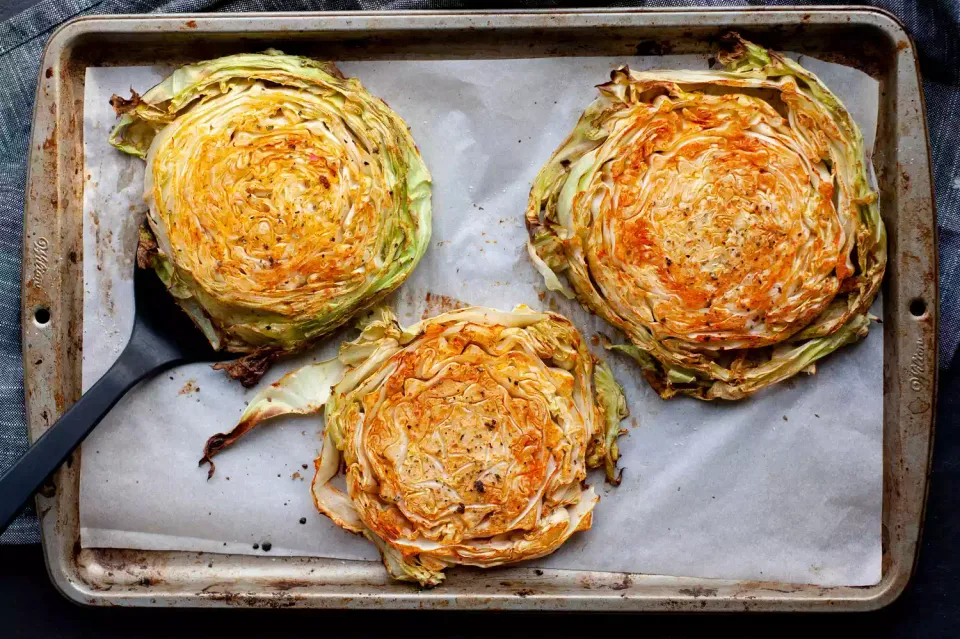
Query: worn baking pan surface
[[867, 39]]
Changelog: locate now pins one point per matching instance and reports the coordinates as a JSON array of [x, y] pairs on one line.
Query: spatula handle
[[20, 482]]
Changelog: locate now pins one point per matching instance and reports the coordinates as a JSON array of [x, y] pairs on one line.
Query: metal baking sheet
[[870, 40]]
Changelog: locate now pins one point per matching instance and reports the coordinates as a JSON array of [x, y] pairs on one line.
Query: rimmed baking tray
[[52, 293]]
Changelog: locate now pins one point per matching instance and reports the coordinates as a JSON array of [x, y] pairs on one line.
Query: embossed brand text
[[918, 367], [41, 249]]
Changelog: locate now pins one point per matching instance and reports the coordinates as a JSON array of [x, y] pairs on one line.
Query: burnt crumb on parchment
[[125, 105], [249, 369], [189, 387]]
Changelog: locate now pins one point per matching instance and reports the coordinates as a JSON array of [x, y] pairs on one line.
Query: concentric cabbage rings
[[723, 220], [466, 438], [283, 199]]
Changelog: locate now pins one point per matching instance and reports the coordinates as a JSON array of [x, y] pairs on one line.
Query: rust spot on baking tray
[[654, 47], [72, 124], [190, 24], [771, 586], [51, 142], [623, 584], [103, 568], [49, 72], [904, 177], [253, 600], [290, 584], [520, 588]]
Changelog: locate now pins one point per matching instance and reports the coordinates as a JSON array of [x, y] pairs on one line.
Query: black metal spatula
[[163, 336]]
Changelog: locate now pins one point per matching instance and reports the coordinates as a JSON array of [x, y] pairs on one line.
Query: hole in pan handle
[[41, 316], [918, 308]]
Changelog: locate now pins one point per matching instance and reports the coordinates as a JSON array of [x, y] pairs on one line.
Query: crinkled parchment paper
[[785, 486]]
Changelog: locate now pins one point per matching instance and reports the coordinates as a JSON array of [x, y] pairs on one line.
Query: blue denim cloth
[[934, 25]]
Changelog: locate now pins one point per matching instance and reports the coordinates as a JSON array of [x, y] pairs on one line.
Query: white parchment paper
[[785, 486]]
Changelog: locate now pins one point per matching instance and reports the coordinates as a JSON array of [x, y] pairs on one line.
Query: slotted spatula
[[163, 336]]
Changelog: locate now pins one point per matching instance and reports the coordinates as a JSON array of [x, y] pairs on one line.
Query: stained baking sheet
[[786, 486]]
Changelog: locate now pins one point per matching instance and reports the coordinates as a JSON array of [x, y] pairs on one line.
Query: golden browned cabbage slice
[[283, 199], [466, 438], [721, 219]]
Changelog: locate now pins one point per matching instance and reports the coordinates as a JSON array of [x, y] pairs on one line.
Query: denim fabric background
[[934, 24]]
